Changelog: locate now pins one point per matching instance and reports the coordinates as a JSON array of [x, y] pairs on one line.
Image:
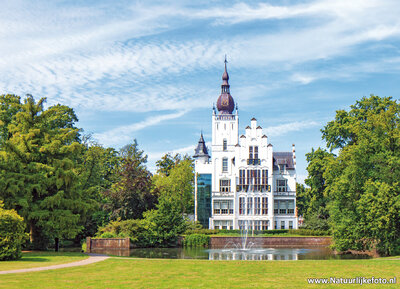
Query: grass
[[163, 273], [41, 259]]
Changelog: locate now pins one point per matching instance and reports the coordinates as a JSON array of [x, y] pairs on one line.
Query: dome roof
[[225, 102]]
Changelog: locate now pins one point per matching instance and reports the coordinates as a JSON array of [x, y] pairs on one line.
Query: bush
[[108, 235], [197, 240], [201, 231], [12, 234], [84, 247], [309, 232]]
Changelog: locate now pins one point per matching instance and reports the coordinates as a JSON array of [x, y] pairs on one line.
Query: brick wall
[[267, 242], [93, 245]]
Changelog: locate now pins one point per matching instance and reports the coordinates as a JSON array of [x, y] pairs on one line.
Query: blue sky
[[151, 70]]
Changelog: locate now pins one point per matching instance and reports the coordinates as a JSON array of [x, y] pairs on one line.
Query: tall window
[[257, 225], [225, 145], [224, 185], [250, 152], [249, 206], [242, 206], [242, 177], [265, 177], [281, 185], [283, 225], [224, 164], [290, 224], [265, 206], [256, 152], [265, 225], [257, 206]]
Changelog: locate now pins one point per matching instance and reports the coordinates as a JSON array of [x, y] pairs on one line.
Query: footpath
[[93, 258]]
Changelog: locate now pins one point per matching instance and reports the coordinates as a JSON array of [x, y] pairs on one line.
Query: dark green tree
[[39, 170], [168, 162], [302, 199], [133, 193], [317, 214]]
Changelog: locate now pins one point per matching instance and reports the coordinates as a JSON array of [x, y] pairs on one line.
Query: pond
[[234, 254]]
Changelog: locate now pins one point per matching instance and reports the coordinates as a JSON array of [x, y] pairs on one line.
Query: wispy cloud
[[286, 128], [123, 134]]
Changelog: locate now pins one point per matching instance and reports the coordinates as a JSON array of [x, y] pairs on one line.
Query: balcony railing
[[285, 194], [253, 161], [222, 194], [225, 117], [253, 188]]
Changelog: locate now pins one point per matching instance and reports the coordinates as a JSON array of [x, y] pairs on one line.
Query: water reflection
[[233, 254]]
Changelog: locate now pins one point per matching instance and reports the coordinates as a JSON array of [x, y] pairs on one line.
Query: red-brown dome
[[225, 102]]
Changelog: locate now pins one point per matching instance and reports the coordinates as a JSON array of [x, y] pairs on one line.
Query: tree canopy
[[39, 169], [361, 184]]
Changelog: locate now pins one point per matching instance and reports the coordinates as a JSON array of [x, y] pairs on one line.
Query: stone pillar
[[88, 244]]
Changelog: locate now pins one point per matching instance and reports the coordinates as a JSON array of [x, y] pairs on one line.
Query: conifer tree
[[39, 170]]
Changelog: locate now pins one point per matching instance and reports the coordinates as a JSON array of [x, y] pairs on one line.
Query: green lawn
[[156, 273], [40, 259]]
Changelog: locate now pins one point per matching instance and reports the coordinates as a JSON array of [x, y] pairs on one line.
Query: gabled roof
[[283, 158]]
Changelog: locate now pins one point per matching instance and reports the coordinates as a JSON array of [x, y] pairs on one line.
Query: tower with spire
[[243, 184]]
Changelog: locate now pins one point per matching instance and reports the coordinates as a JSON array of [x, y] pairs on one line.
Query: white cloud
[[123, 134], [289, 127]]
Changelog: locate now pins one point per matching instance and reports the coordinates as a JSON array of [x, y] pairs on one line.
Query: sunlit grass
[[157, 273], [40, 259]]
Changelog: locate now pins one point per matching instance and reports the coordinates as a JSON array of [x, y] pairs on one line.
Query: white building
[[244, 183]]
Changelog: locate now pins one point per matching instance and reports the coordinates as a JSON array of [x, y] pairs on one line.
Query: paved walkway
[[93, 258]]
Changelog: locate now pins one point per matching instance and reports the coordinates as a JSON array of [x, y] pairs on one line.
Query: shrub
[[12, 234], [84, 247], [309, 232], [108, 235], [197, 240]]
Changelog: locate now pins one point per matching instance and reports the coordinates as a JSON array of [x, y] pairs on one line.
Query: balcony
[[225, 117], [285, 194], [253, 188], [223, 194], [253, 162]]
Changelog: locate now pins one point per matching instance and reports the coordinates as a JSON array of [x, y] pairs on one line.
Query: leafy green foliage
[[362, 182], [133, 193], [168, 162], [177, 187], [40, 170], [302, 199], [197, 240], [12, 234]]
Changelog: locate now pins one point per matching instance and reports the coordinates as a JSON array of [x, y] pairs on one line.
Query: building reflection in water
[[256, 255]]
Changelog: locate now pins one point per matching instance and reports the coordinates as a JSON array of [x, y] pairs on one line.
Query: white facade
[[251, 185]]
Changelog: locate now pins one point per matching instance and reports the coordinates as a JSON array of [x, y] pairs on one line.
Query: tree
[[99, 170], [302, 199], [317, 214], [362, 182], [168, 162], [177, 187], [39, 170], [133, 194]]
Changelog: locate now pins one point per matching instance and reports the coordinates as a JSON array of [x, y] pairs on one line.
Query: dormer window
[[225, 145]]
